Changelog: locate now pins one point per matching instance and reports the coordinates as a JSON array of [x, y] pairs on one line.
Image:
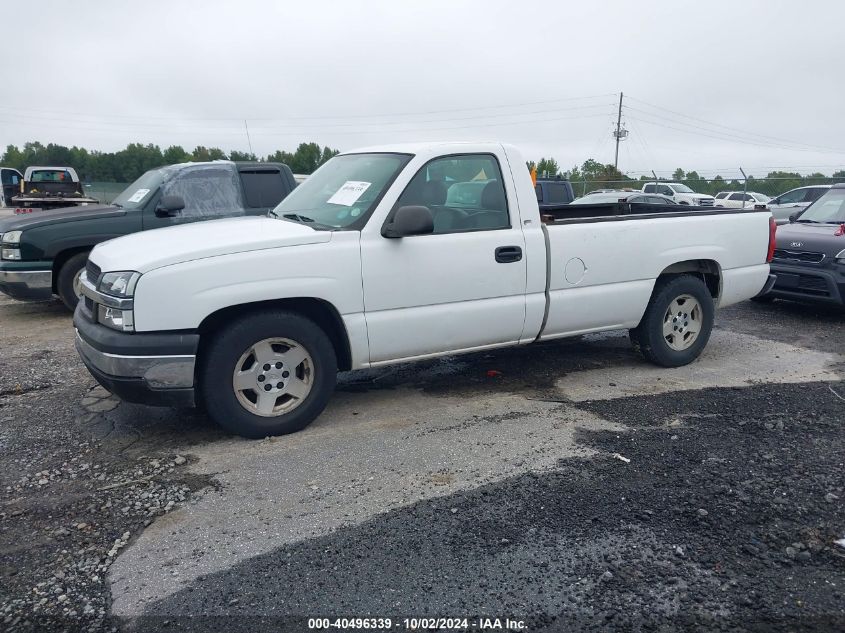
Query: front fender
[[181, 296]]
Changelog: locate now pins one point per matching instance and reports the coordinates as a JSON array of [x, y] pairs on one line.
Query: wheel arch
[[708, 270], [61, 259], [323, 313]]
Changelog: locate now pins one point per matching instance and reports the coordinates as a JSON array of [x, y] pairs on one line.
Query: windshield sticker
[[349, 193], [139, 195]]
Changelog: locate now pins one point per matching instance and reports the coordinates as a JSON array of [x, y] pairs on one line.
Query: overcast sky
[[708, 85]]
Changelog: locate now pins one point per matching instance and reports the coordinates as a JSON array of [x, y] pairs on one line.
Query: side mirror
[[169, 206], [410, 220]]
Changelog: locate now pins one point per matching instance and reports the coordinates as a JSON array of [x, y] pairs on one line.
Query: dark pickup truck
[[553, 193], [44, 254], [809, 257]]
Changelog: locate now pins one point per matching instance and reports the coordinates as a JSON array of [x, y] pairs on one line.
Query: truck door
[[461, 287], [11, 185], [210, 191]]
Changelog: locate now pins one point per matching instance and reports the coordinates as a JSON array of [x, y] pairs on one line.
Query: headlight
[[120, 284], [12, 238], [123, 320]]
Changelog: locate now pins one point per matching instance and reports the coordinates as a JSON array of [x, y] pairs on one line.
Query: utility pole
[[620, 133]]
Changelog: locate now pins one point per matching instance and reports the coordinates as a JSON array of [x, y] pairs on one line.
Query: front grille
[[798, 256], [811, 285], [92, 271], [706, 202]]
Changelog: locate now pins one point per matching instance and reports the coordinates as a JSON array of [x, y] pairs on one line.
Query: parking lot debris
[[840, 542], [621, 458], [179, 460], [493, 373]]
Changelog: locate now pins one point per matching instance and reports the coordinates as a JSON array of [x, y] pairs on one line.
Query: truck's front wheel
[[677, 322], [67, 283], [268, 373]]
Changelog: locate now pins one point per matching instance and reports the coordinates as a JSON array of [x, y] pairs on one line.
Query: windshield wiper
[[297, 218], [117, 204], [303, 219], [808, 221]]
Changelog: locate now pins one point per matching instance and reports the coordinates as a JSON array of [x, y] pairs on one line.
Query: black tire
[[648, 337], [67, 274], [228, 347]]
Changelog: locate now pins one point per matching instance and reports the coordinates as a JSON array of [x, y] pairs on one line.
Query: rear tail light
[[773, 227]]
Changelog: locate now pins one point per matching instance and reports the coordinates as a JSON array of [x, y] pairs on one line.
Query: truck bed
[[604, 259]]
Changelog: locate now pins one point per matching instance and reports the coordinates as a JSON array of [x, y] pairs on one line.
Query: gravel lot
[[573, 488]]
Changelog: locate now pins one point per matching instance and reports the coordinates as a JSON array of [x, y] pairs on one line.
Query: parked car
[[551, 193], [623, 196], [680, 193], [367, 263], [44, 254], [809, 259], [740, 199], [794, 201]]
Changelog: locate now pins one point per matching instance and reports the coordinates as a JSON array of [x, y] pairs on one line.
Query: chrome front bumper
[[27, 285], [158, 372]]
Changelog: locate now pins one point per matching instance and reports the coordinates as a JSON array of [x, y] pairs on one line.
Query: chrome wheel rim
[[77, 283], [273, 377], [682, 322]]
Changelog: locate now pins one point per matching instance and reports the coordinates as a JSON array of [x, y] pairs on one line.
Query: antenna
[[249, 142]]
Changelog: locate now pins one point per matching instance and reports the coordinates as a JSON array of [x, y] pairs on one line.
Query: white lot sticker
[[139, 195], [349, 193]]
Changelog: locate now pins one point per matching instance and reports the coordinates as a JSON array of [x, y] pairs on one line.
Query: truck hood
[[816, 238], [148, 250], [58, 216]]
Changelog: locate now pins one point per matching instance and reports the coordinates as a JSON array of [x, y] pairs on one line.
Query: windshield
[[343, 191], [829, 209], [139, 191], [682, 189]]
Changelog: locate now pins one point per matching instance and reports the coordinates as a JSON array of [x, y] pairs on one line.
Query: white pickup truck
[[395, 254]]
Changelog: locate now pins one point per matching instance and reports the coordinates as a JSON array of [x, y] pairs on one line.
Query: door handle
[[508, 254]]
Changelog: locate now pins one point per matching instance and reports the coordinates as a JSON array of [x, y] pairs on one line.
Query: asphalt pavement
[[566, 485]]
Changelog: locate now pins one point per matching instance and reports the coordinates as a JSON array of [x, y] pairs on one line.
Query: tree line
[[592, 175], [132, 161], [127, 164]]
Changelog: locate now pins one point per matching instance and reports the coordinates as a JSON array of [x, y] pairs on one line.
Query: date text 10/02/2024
[[479, 624]]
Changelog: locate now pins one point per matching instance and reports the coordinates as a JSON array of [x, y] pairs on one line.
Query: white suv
[[680, 193]]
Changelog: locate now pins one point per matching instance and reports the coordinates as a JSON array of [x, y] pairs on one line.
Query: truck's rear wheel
[[269, 373], [677, 322], [67, 283]]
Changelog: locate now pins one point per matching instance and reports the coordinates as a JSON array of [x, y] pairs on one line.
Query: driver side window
[[463, 193], [208, 192], [792, 196]]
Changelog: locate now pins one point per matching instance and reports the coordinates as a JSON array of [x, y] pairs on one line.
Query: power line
[[318, 118], [304, 127], [726, 137], [719, 125]]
